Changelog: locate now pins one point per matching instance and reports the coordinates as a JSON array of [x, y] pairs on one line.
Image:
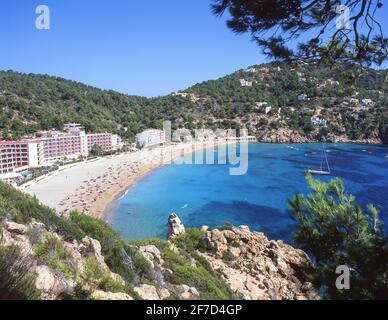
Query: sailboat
[[324, 160]]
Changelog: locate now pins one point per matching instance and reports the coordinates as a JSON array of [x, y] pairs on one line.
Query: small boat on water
[[319, 172], [326, 171]]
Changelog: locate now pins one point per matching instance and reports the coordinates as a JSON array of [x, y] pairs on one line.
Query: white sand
[[90, 186]]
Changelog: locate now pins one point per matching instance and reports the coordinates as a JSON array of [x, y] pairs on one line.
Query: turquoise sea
[[208, 195]]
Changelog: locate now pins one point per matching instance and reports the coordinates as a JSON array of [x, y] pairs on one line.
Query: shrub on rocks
[[50, 251], [16, 283]]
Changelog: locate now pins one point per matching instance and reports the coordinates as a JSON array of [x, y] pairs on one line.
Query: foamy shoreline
[[92, 186]]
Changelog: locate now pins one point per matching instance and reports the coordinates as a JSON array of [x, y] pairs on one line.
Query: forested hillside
[[276, 102]]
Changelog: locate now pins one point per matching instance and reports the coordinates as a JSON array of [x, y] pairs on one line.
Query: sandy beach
[[91, 185]]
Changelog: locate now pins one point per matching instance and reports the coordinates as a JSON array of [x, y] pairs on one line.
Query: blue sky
[[149, 47]]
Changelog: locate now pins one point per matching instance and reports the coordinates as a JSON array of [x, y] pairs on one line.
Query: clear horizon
[[146, 49]]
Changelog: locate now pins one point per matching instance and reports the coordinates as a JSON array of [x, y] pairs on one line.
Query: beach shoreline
[[109, 205], [91, 187], [181, 151]]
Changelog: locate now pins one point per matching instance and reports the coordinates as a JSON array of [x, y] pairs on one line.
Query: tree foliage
[[333, 228], [274, 24], [97, 151]]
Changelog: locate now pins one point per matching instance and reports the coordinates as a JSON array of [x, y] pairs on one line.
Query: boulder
[[205, 228], [102, 295], [164, 293], [15, 227], [152, 250], [21, 241], [194, 291], [94, 247], [186, 292], [235, 251], [218, 236], [147, 292], [35, 224], [52, 284], [229, 235]]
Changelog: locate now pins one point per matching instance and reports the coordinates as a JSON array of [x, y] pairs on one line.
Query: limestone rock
[[204, 228], [15, 239], [15, 227], [152, 254], [34, 224], [175, 226], [147, 292], [186, 292], [102, 295], [261, 269], [94, 247], [164, 293], [52, 285]]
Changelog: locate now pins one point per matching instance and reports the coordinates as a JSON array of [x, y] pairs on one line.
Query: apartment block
[[150, 137], [104, 140], [16, 156], [65, 146]]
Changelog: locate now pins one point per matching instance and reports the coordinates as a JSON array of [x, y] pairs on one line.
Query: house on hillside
[[268, 110], [331, 82], [302, 97], [367, 102], [246, 83], [308, 110], [318, 122]]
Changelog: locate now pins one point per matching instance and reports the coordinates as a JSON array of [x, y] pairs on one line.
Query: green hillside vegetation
[[29, 103]]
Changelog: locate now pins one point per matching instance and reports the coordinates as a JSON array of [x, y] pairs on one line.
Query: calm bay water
[[208, 195]]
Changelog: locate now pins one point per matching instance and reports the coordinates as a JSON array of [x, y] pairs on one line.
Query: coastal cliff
[[286, 135], [79, 257]]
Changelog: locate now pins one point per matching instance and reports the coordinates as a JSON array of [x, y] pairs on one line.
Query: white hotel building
[[150, 137], [18, 156]]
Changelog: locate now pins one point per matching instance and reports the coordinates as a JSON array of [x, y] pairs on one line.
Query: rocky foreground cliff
[[257, 268], [44, 256]]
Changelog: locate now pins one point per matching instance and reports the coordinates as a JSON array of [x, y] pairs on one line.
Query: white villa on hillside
[[246, 83]]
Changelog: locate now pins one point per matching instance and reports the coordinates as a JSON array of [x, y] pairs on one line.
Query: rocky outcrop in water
[[175, 226]]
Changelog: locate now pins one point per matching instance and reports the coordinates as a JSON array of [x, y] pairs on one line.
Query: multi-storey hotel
[[18, 156], [59, 147], [104, 140]]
